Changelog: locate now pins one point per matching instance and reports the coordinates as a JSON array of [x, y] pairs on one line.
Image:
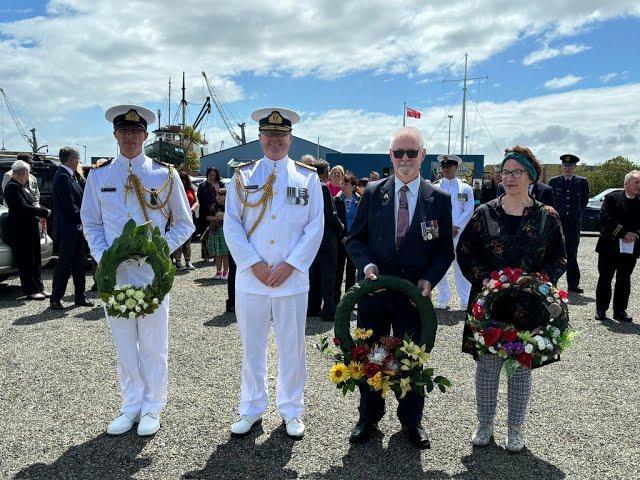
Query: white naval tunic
[[461, 212], [141, 344], [289, 233]]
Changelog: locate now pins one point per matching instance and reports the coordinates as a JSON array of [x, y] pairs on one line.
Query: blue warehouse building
[[226, 160]]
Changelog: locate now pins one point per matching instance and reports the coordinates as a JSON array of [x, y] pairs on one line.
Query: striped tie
[[403, 216]]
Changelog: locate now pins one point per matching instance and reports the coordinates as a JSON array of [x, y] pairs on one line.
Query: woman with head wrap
[[513, 230]]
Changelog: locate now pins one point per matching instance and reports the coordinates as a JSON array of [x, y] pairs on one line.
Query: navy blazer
[[540, 191], [372, 236], [67, 200]]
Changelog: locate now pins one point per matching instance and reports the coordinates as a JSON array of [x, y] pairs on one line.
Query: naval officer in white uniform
[[461, 212], [273, 225], [141, 343]]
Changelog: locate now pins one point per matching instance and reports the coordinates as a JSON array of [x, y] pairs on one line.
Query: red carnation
[[524, 359], [563, 294], [478, 311], [390, 343], [495, 275], [491, 336], [360, 352], [370, 369], [508, 271], [518, 271], [509, 335], [498, 284]]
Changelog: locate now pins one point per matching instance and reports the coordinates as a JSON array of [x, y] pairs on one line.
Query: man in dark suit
[[67, 199], [618, 247], [322, 274], [538, 190], [571, 194], [403, 228]]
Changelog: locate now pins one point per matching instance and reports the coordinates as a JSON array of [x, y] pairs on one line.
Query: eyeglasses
[[513, 174], [410, 153]]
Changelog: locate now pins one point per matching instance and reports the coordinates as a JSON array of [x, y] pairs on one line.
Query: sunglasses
[[410, 153]]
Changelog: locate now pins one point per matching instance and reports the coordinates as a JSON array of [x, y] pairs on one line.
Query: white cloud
[[547, 53], [597, 124], [610, 76], [562, 82]]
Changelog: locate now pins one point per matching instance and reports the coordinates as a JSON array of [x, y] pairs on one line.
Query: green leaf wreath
[[136, 242]]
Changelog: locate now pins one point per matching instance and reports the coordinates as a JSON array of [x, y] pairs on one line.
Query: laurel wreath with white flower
[[137, 242]]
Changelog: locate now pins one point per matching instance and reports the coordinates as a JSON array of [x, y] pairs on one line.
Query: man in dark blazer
[[322, 274], [538, 190], [571, 194], [618, 247], [403, 228], [67, 199]]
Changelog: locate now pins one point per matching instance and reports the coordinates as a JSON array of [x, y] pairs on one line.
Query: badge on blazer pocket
[[430, 230]]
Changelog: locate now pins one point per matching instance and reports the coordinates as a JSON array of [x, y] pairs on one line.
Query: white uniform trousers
[[289, 314], [142, 346], [463, 286]]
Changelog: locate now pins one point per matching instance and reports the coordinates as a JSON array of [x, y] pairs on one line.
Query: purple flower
[[513, 348]]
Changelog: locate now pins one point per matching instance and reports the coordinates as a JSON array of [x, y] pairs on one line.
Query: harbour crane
[[239, 139], [20, 124]]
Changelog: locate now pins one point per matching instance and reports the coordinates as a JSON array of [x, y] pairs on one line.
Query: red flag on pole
[[413, 113]]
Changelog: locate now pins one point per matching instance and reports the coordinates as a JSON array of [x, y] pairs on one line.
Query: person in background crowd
[[346, 203], [274, 232], [216, 243], [513, 230], [571, 194], [336, 177], [490, 185], [373, 176], [402, 227], [185, 248], [618, 247], [21, 230], [461, 211], [538, 190], [72, 247], [206, 199], [362, 184], [33, 181], [322, 274]]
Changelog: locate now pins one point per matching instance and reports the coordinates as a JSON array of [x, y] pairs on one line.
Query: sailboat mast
[[183, 104], [169, 115], [464, 103]]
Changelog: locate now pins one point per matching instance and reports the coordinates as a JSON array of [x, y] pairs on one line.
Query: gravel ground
[[59, 389]]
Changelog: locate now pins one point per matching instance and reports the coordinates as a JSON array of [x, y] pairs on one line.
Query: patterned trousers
[[487, 382]]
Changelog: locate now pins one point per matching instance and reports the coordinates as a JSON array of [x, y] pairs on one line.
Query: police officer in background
[[108, 204], [571, 194], [461, 212], [273, 226]]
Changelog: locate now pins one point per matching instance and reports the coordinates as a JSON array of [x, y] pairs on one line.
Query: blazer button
[[272, 242]]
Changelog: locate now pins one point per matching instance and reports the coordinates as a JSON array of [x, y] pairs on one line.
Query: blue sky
[[560, 77]]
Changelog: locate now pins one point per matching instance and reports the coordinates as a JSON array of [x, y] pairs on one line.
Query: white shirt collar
[[278, 165], [135, 160], [413, 185], [67, 169]]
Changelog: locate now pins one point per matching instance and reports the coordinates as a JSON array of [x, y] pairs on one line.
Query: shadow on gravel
[[222, 320], [620, 327], [495, 462], [104, 457], [371, 460], [91, 315], [11, 295], [46, 315], [207, 282], [316, 326], [243, 458], [579, 299]]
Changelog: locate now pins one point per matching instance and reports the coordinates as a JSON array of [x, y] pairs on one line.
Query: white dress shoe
[[149, 424], [295, 428], [121, 424], [244, 424], [482, 436], [515, 439]]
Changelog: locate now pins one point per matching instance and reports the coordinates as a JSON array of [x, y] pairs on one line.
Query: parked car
[[7, 268], [591, 214]]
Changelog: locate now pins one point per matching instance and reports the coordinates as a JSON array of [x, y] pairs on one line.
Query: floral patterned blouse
[[487, 244]]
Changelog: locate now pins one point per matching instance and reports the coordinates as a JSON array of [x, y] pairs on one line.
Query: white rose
[[130, 303], [138, 295], [140, 301], [130, 292], [122, 308], [528, 348], [155, 301], [145, 305], [138, 309], [132, 315], [544, 358], [121, 296], [112, 300]]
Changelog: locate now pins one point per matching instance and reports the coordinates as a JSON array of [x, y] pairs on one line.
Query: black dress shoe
[[56, 305], [601, 314], [361, 432], [418, 437], [622, 317], [84, 303], [576, 289]]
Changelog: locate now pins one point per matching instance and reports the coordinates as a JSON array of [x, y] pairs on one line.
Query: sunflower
[[339, 373], [356, 370], [363, 334]]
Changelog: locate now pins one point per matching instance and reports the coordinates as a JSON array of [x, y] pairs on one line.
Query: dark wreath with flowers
[[136, 242], [529, 348], [391, 363]]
